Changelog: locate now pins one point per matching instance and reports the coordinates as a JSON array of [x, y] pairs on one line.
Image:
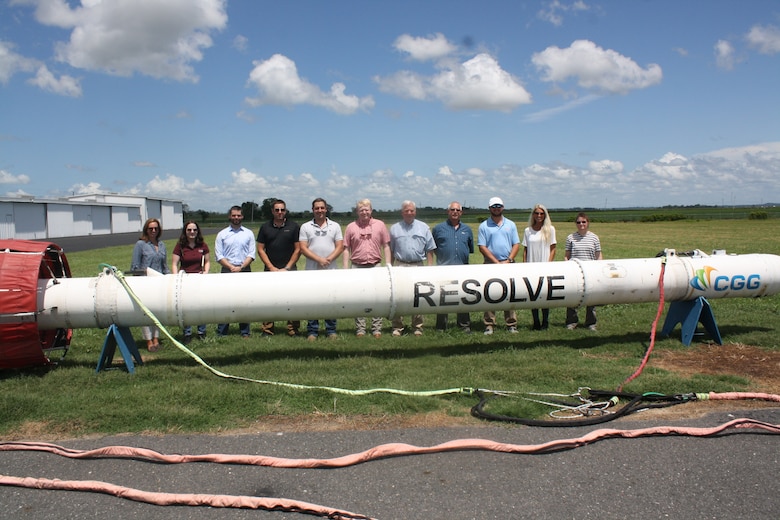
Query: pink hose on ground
[[378, 452], [180, 499], [388, 450], [739, 396]]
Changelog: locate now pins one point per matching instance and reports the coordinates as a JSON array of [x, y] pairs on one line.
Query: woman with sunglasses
[[539, 246], [582, 245], [191, 255], [149, 253]]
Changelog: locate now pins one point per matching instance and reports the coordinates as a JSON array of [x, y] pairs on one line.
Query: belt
[[361, 266], [399, 262]]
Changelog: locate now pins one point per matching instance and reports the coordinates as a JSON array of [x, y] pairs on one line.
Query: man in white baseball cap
[[499, 243]]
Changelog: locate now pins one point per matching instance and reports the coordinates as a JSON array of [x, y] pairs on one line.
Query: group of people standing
[[365, 243]]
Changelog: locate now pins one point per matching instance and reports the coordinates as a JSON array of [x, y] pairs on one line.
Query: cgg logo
[[722, 283], [705, 280]]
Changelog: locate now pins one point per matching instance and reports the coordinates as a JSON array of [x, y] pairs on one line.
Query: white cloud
[[240, 42], [9, 178], [123, 37], [278, 83], [425, 49], [553, 11], [594, 68], [12, 62], [86, 189], [725, 55], [64, 85], [19, 194], [764, 38], [477, 84], [605, 166], [746, 174], [543, 115]]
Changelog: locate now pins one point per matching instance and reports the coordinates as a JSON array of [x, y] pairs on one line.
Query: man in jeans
[[321, 243]]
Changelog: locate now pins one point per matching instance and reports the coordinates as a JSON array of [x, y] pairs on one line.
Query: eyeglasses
[[582, 222], [320, 232]]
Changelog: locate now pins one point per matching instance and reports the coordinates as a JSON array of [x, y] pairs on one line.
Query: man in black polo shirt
[[279, 249]]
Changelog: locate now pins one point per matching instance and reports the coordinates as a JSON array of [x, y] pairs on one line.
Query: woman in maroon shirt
[[191, 255]]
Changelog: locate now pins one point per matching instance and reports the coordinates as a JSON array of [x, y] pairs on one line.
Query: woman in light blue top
[[149, 252]]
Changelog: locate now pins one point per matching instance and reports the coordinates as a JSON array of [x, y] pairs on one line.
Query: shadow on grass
[[258, 350], [387, 347]]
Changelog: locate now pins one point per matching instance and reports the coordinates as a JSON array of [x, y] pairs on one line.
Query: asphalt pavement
[[732, 476]]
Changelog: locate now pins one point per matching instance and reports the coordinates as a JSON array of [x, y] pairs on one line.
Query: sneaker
[[397, 332], [202, 337], [512, 330], [488, 331], [571, 326], [592, 327], [311, 337], [418, 332]]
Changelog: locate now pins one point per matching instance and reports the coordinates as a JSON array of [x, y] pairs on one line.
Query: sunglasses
[[582, 222], [494, 206]]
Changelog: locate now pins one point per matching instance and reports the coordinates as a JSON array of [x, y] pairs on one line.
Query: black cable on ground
[[636, 403]]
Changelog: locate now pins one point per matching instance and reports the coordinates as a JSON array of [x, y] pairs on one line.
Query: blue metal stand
[[690, 313], [121, 337]]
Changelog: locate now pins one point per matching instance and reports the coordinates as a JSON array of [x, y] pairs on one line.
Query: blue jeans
[[313, 327], [201, 330]]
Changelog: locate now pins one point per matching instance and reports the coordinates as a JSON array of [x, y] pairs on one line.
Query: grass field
[[172, 393]]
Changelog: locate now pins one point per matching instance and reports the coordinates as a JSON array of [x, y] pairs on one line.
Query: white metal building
[[83, 215]]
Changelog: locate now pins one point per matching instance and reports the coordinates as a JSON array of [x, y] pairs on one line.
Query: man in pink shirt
[[366, 240]]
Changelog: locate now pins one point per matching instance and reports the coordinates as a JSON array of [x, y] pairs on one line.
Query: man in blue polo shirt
[[499, 243], [454, 243]]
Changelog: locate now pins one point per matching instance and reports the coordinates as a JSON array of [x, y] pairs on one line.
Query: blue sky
[[567, 103]]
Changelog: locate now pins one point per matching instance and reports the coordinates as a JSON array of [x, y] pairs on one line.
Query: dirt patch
[[761, 366]]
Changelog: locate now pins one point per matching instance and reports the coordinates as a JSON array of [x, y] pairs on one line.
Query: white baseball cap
[[494, 201]]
